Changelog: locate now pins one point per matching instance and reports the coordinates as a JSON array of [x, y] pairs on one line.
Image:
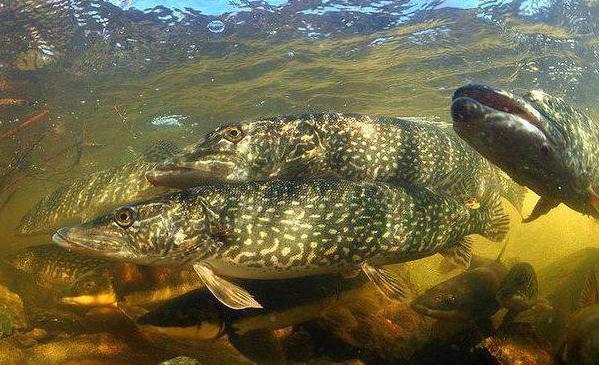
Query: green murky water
[[109, 97]]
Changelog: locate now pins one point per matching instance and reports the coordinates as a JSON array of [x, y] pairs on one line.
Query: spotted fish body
[[73, 277], [349, 146], [285, 228], [94, 194]]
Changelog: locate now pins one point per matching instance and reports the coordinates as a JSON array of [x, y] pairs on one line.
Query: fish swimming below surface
[[95, 194], [82, 280], [198, 315], [473, 296], [349, 146], [580, 344], [289, 228], [539, 140], [76, 279]]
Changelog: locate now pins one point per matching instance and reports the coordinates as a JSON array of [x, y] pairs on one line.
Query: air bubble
[[216, 26]]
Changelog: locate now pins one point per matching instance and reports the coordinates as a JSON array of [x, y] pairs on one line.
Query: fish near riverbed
[[97, 193], [198, 316], [539, 140], [475, 295], [289, 228], [349, 146], [75, 279]]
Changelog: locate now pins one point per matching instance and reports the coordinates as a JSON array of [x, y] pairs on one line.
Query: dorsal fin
[[590, 292]]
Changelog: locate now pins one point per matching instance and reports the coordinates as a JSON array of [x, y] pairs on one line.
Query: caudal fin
[[493, 220]]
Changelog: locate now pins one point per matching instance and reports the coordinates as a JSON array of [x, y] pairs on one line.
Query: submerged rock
[[520, 346], [96, 348], [12, 313]]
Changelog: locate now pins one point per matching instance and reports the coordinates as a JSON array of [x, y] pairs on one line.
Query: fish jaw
[[448, 315], [89, 241], [186, 171], [513, 135]]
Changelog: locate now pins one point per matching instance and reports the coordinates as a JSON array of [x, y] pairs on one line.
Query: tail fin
[[492, 220]]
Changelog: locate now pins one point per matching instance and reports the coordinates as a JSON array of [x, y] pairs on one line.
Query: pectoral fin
[[391, 285], [460, 254], [226, 292], [590, 291], [544, 205]]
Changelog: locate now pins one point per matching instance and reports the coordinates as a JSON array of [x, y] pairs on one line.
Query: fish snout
[[466, 111]]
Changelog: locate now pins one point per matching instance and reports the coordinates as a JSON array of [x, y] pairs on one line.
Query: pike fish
[[349, 146], [539, 140], [95, 194], [478, 293], [76, 279], [289, 228]]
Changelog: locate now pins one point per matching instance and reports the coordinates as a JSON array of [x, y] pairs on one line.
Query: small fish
[[349, 146], [288, 228], [198, 315], [99, 192], [77, 279], [539, 140], [475, 295], [580, 344]]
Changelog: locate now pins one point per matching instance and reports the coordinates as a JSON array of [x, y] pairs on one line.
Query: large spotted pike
[[289, 228], [349, 146], [539, 140], [97, 193]]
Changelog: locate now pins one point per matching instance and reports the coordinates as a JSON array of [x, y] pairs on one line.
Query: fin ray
[[226, 292], [542, 207], [460, 254], [590, 292], [391, 285]]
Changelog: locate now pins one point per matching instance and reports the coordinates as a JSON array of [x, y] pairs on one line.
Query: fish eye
[[448, 300], [124, 217], [233, 134]]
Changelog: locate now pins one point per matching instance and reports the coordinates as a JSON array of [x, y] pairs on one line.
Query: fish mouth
[[82, 241], [181, 174], [450, 315], [480, 108]]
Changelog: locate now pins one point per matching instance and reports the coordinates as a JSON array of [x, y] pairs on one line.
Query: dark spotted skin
[[284, 228], [349, 146], [539, 140], [66, 272], [88, 196]]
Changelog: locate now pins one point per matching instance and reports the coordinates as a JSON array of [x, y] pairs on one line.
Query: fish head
[[445, 301], [538, 139], [164, 231], [255, 150], [519, 289], [92, 289]]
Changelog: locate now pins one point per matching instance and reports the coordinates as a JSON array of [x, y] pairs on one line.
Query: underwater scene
[[299, 182]]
